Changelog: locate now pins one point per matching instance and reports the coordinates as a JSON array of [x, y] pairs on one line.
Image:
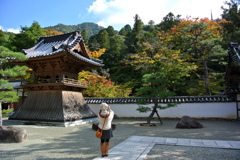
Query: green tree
[[103, 39], [111, 31], [123, 32], [93, 43], [114, 57], [6, 71], [161, 67], [3, 38], [136, 35], [84, 35], [169, 21], [27, 38], [232, 24]]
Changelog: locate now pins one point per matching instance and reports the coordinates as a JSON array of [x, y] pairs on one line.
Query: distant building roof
[[51, 45], [17, 84]]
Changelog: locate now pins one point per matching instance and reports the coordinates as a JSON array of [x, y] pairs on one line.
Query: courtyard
[[79, 142]]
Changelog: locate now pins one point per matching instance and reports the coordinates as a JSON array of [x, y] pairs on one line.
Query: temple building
[[232, 76], [54, 94]]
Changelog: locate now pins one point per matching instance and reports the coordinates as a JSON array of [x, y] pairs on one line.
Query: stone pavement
[[138, 147], [79, 142]]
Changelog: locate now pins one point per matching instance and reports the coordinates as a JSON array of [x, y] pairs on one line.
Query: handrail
[[64, 80], [74, 81]]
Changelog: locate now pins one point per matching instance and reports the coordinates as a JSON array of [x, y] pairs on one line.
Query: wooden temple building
[[232, 76], [54, 95], [233, 70]]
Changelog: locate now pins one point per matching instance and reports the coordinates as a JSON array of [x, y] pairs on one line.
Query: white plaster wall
[[196, 110]]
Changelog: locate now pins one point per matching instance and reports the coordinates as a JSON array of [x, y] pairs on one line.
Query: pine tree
[[232, 25], [136, 35], [6, 71]]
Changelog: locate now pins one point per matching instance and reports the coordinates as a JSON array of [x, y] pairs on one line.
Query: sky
[[15, 14]]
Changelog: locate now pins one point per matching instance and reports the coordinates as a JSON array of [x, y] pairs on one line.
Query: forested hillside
[[92, 28], [179, 56]]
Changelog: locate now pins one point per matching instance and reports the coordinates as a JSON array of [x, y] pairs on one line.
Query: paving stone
[[235, 144], [209, 143], [223, 144], [196, 142], [171, 141], [160, 140], [148, 139], [185, 142]]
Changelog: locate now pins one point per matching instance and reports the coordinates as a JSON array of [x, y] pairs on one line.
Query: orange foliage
[[51, 32], [95, 54], [213, 26], [99, 86]]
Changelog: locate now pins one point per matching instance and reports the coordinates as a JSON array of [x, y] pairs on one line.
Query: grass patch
[[5, 112]]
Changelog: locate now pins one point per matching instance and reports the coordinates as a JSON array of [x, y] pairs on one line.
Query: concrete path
[[138, 147]]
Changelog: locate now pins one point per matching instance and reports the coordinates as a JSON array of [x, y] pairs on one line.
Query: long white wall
[[225, 110]]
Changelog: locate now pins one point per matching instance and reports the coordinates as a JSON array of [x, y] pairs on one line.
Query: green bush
[[5, 112]]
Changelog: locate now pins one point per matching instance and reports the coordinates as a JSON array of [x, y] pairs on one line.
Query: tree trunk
[[159, 118], [151, 116], [206, 78], [153, 111], [0, 113]]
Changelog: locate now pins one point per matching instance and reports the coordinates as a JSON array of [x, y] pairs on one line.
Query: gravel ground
[[165, 152], [79, 142]]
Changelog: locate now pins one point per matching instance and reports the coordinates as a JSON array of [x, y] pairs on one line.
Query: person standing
[[105, 114]]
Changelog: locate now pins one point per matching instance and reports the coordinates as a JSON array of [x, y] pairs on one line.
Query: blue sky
[[117, 13]]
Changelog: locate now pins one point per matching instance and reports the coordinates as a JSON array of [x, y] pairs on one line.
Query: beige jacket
[[108, 123]]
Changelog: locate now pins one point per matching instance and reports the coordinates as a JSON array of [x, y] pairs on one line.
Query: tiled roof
[[234, 53], [183, 99], [51, 45], [17, 84]]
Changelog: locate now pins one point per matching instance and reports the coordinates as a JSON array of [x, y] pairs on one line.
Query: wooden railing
[[74, 81], [64, 80]]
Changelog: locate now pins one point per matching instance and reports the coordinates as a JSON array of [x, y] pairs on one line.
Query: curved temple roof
[[51, 45]]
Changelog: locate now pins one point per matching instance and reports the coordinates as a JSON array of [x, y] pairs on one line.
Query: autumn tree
[[201, 40], [96, 54], [51, 32], [7, 71], [100, 86], [161, 67]]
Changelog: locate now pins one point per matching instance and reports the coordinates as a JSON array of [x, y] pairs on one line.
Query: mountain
[[92, 28]]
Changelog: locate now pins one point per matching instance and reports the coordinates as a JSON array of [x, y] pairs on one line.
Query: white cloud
[[13, 30], [10, 30], [118, 13]]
